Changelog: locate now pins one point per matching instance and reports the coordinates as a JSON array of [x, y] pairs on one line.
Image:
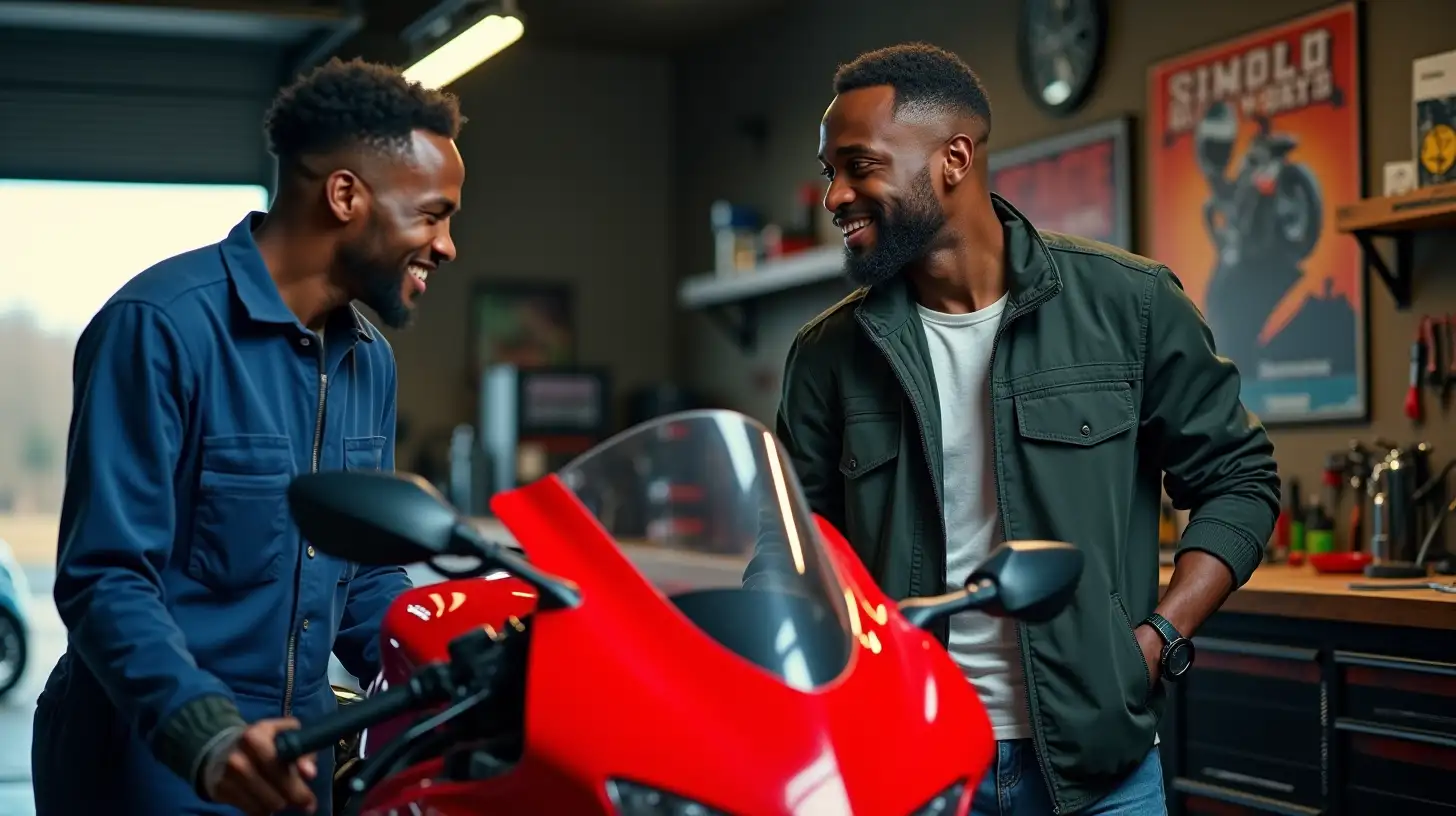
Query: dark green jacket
[[1103, 379]]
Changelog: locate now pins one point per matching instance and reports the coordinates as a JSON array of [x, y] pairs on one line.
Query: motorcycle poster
[[1252, 145]]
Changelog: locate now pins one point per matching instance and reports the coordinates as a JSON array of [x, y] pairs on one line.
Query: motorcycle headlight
[[634, 799], [944, 803]]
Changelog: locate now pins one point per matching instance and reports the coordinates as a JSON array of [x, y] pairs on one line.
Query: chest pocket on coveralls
[[360, 453], [241, 521]]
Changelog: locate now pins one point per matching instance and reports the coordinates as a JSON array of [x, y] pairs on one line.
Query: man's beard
[[378, 281], [901, 237]]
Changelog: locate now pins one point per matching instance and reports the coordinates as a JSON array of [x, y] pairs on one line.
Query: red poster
[[1075, 184]]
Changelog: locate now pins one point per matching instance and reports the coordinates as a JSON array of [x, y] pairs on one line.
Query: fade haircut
[[927, 80], [356, 103]]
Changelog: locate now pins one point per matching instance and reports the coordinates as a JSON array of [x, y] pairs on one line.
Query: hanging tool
[[1433, 330], [1413, 393], [1450, 351], [1358, 472], [1336, 465]]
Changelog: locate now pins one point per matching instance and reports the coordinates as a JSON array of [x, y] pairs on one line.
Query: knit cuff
[[1228, 545]]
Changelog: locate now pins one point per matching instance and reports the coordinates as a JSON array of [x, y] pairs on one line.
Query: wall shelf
[[732, 300], [1398, 218]]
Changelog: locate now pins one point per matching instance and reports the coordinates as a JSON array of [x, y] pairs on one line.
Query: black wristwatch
[[1177, 657]]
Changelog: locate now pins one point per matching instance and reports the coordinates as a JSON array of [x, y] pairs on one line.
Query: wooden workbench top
[[1300, 592]]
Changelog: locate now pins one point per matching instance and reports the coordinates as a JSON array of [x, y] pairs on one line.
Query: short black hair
[[341, 104], [923, 76]]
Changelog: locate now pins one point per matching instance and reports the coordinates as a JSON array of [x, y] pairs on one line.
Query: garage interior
[[596, 148]]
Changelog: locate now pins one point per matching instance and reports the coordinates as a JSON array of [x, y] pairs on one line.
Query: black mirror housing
[[373, 518], [1033, 580]]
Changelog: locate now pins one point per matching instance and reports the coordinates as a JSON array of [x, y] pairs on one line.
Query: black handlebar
[[429, 685]]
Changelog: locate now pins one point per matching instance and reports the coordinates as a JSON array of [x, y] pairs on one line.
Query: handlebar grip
[[293, 744]]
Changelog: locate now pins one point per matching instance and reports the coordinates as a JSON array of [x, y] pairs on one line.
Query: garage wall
[[782, 70], [126, 108], [568, 178], [568, 156]]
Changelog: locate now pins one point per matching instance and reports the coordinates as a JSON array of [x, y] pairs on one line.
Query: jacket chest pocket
[[240, 525], [1076, 416], [1072, 450], [867, 462]]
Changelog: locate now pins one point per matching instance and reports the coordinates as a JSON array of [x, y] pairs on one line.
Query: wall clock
[[1060, 47]]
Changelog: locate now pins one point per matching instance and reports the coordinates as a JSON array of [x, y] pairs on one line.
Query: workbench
[[1308, 697]]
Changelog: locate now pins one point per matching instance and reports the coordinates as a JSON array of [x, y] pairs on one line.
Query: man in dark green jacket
[[989, 382]]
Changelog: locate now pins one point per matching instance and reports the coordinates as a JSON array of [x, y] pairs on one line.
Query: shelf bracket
[[1397, 278], [739, 320]]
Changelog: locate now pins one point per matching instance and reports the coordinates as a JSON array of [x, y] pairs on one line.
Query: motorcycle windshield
[[706, 504]]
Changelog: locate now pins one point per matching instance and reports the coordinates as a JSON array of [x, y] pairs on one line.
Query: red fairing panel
[[420, 624], [625, 686]]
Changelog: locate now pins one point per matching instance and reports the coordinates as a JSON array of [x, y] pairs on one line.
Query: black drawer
[[1414, 694], [1414, 764], [1272, 732], [1253, 775], [1359, 800], [1235, 670]]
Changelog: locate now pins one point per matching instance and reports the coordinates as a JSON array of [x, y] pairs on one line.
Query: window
[[65, 248]]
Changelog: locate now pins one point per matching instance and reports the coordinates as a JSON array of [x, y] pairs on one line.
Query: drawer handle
[[1249, 800]]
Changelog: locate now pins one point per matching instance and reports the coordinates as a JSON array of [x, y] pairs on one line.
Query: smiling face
[[388, 254], [881, 189]]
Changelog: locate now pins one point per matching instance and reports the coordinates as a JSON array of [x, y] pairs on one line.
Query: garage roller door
[[125, 108]]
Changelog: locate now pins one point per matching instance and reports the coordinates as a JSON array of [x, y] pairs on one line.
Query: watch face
[[1179, 658], [1061, 45]]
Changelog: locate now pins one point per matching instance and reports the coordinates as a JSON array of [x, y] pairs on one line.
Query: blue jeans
[[1014, 786]]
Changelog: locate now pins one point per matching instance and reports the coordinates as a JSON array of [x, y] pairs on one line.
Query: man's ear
[[960, 157], [346, 195]]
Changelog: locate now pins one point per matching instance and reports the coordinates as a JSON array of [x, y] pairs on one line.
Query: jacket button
[[305, 624], [1086, 430], [853, 463], [303, 341], [311, 552]]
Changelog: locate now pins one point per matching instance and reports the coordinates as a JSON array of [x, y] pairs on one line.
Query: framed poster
[[1252, 145], [1079, 183], [526, 324]]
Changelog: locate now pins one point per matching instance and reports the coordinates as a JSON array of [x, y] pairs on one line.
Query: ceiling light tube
[[461, 52]]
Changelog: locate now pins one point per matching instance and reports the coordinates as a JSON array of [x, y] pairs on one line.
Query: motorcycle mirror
[[372, 518], [1032, 581]]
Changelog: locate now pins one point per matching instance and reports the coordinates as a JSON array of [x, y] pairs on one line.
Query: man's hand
[[1152, 645], [255, 782]]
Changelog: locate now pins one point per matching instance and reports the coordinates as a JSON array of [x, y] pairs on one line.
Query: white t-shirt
[[984, 647]]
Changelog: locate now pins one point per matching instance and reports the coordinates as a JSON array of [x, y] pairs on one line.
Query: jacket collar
[[256, 291], [1030, 275]]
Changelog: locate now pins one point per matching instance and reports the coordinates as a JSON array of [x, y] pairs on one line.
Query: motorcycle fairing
[[626, 687]]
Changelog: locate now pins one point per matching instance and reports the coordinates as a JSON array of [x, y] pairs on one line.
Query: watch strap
[[1165, 630]]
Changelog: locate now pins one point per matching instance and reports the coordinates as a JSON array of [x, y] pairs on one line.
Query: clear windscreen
[[707, 505]]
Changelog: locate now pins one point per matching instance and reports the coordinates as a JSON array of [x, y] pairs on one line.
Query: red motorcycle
[[677, 635]]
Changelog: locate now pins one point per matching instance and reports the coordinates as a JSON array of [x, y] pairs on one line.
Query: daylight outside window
[[65, 248]]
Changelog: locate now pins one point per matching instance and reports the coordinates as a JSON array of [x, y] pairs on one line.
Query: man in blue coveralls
[[200, 623]]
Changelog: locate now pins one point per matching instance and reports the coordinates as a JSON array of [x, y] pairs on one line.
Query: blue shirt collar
[[255, 288]]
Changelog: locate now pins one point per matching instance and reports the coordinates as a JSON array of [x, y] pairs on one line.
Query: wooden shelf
[[1429, 208], [1397, 218], [732, 299]]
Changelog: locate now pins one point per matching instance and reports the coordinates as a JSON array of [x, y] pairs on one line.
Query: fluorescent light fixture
[[457, 54]]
